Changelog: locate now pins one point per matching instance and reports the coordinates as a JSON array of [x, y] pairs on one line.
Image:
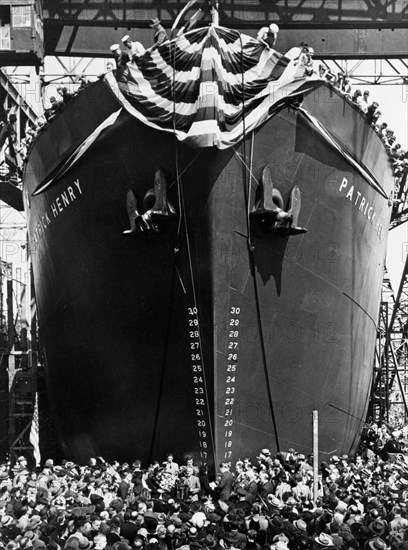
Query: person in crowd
[[54, 107], [357, 97], [64, 93], [304, 60], [171, 466], [363, 103], [225, 485], [83, 82], [339, 80], [346, 86], [371, 109], [381, 129], [361, 505]]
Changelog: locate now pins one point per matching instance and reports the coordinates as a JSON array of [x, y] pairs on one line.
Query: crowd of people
[[264, 503]]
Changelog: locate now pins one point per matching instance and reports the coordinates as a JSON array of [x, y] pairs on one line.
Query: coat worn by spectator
[[160, 34]]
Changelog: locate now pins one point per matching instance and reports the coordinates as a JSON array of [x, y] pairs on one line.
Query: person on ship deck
[[133, 49], [120, 57], [160, 34], [268, 36]]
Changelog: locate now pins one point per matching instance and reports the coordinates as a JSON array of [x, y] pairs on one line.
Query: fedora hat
[[377, 527], [274, 501], [377, 544], [300, 524], [324, 540], [282, 537], [276, 521], [210, 541], [6, 520]]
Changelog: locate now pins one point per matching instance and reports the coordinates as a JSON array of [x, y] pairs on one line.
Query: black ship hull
[[215, 337]]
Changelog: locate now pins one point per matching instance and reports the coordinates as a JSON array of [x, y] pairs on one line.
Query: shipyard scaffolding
[[21, 365], [390, 382]]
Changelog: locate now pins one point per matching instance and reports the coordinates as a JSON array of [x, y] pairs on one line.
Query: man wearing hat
[[134, 49], [120, 57], [282, 486], [160, 35], [251, 486], [265, 485], [272, 35], [5, 480], [265, 458], [226, 482], [322, 541], [301, 490], [129, 528], [8, 528], [377, 544], [20, 466], [378, 528], [268, 35], [279, 545]]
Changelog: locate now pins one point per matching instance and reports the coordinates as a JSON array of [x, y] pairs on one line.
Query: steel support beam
[[347, 28], [16, 97], [233, 13], [350, 43]]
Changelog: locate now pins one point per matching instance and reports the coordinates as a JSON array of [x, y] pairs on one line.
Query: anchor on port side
[[269, 215], [158, 214]]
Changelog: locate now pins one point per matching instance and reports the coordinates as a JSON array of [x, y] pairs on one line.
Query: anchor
[[158, 214], [269, 214]]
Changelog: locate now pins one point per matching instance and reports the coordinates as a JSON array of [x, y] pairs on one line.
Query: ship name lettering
[[64, 199], [359, 201]]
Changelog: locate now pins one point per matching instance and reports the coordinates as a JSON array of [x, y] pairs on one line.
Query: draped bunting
[[209, 86]]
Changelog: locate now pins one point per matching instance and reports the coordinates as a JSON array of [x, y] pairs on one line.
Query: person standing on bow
[[133, 49]]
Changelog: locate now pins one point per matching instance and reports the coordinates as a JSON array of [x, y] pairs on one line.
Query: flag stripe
[[35, 433], [214, 75]]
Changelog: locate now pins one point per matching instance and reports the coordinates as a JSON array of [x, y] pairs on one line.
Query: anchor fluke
[[295, 203], [269, 213], [158, 217]]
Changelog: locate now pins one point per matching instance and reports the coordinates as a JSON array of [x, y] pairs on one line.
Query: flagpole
[[35, 431]]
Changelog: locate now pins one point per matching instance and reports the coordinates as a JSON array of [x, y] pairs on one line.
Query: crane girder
[[347, 28]]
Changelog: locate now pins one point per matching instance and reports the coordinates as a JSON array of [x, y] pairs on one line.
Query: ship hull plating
[[215, 337]]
